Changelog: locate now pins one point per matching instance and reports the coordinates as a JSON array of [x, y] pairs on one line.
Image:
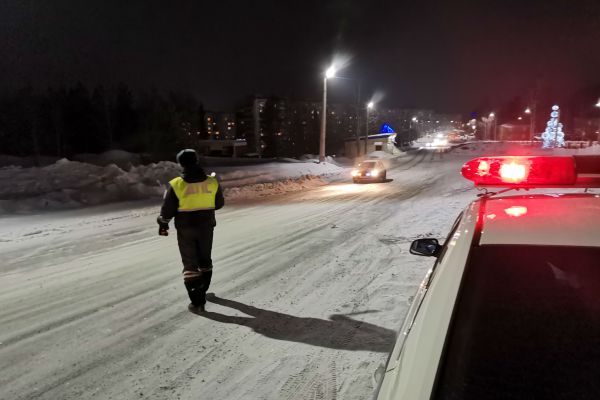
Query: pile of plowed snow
[[520, 149], [70, 184]]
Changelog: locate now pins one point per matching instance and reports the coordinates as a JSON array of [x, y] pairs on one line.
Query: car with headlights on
[[511, 307], [369, 171]]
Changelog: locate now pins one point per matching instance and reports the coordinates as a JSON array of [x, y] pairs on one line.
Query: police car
[[511, 308]]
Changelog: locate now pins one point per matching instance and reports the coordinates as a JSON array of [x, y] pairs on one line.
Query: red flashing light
[[521, 171], [513, 172]]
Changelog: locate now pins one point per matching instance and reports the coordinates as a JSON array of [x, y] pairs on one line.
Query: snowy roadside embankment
[[71, 184], [520, 149]]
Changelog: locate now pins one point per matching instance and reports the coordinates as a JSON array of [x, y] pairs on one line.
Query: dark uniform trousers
[[195, 246]]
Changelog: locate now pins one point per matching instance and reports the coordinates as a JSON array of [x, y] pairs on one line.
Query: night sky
[[451, 56]]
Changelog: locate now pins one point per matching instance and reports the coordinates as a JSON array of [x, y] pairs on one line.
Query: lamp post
[[531, 112], [357, 117], [370, 105], [330, 73], [493, 117], [413, 119]]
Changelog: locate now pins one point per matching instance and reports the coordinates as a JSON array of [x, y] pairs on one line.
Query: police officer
[[192, 199]]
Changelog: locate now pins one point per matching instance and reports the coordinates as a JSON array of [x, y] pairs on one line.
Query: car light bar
[[534, 171]]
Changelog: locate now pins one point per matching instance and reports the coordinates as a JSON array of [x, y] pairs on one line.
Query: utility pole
[[369, 106], [257, 130], [330, 73], [358, 120], [532, 109], [323, 122]]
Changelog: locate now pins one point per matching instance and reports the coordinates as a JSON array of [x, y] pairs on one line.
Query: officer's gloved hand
[[163, 226]]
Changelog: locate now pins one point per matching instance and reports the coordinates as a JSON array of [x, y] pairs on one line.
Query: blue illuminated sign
[[386, 128]]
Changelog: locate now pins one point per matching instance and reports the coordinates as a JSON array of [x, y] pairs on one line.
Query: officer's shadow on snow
[[339, 332]]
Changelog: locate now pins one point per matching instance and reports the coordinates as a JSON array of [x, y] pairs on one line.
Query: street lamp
[[413, 119], [370, 106], [531, 112], [330, 73], [493, 117]]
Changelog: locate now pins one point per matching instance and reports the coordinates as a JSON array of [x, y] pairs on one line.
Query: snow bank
[[315, 158], [14, 161], [120, 158], [70, 184], [270, 188], [272, 172], [518, 148]]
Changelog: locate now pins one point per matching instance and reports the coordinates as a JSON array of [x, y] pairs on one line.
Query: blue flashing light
[[386, 128]]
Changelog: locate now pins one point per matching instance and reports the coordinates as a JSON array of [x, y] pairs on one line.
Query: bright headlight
[[375, 172], [354, 172]]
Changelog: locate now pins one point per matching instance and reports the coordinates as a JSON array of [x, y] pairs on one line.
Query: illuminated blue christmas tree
[[553, 136]]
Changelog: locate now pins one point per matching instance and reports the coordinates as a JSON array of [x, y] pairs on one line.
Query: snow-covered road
[[310, 287]]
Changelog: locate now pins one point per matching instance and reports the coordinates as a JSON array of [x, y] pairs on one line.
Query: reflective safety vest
[[197, 195]]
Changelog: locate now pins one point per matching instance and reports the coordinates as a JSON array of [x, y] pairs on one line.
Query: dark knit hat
[[187, 157]]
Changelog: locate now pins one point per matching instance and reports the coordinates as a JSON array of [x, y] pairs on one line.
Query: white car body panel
[[412, 367], [547, 220]]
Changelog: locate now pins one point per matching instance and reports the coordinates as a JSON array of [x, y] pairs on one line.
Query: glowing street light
[[598, 103], [492, 116], [330, 73], [531, 112], [413, 119], [370, 106]]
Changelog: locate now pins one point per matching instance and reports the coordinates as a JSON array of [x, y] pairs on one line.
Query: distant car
[[511, 308], [369, 171]]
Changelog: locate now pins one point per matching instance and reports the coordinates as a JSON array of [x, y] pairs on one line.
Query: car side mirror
[[425, 247]]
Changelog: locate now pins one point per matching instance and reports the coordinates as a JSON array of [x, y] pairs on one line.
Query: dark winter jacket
[[201, 218]]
